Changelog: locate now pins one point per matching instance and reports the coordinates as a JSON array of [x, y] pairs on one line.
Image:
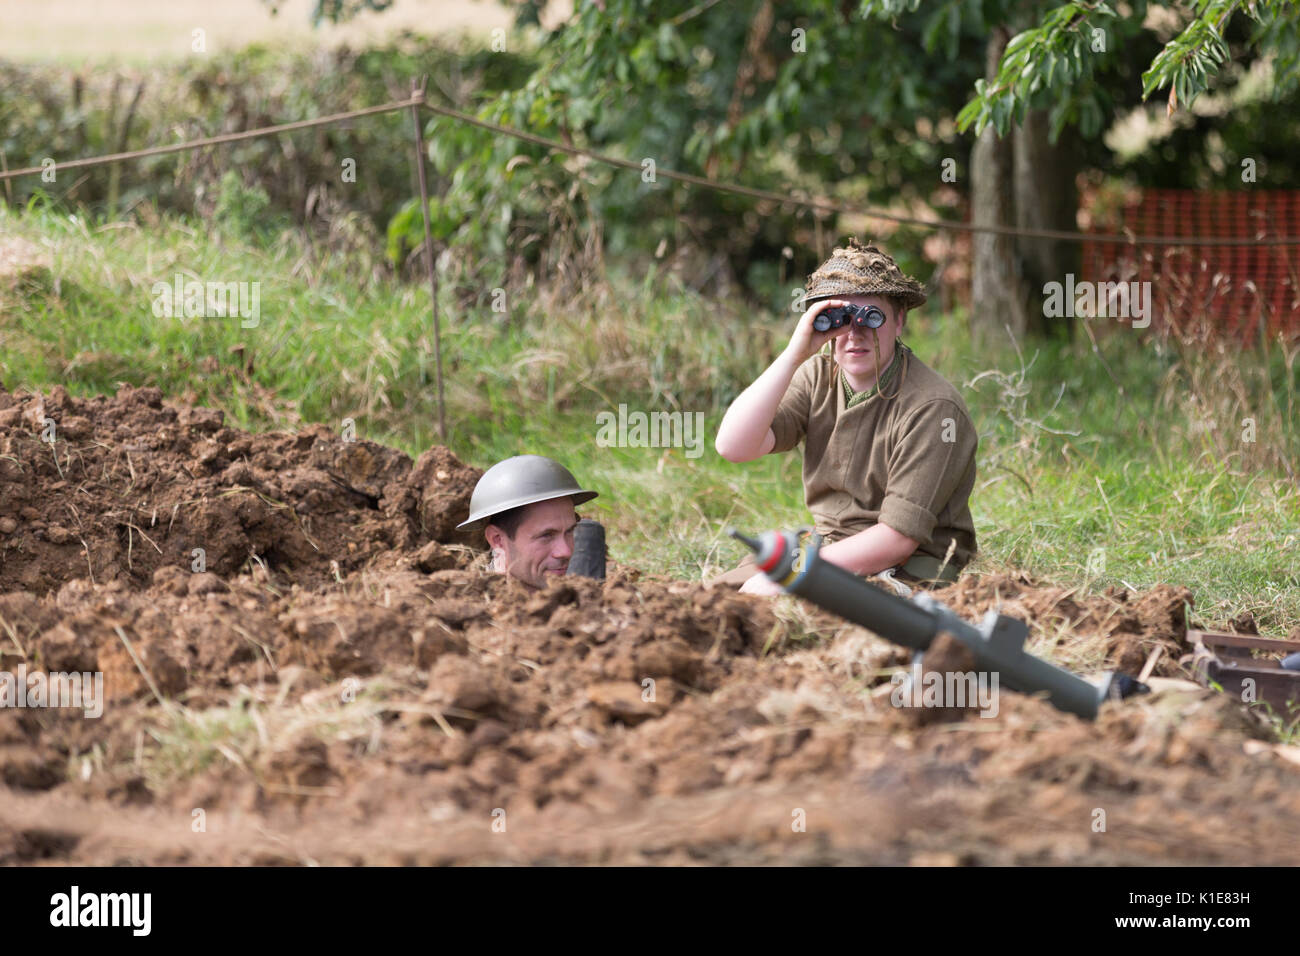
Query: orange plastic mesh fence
[[1209, 291]]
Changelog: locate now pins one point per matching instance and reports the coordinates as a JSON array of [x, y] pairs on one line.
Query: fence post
[[417, 97]]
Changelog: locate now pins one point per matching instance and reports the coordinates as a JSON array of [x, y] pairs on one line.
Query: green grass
[[1130, 454]]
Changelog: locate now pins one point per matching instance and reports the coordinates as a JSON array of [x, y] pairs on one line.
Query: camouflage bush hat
[[862, 270]]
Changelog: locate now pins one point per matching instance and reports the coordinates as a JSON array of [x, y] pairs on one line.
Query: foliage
[[797, 97], [336, 11], [1063, 46], [1205, 151], [815, 97], [240, 207], [48, 111]]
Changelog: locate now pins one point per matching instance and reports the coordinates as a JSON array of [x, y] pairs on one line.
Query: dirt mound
[[1127, 626], [117, 489], [338, 686]]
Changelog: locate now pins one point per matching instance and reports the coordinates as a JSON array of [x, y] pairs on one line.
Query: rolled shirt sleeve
[[791, 422]]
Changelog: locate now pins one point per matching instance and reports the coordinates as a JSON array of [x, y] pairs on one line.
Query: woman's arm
[[867, 552], [746, 429], [870, 551]]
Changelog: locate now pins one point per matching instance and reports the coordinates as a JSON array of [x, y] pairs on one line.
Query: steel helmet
[[522, 480]]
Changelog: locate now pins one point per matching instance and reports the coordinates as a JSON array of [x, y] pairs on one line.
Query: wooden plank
[[1210, 638]]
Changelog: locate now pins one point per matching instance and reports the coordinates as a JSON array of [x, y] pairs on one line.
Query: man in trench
[[889, 447], [525, 507]]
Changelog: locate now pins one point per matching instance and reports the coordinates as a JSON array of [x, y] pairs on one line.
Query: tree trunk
[[1046, 197], [997, 294], [1027, 182]]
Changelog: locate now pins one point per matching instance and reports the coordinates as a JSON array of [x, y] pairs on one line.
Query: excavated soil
[[303, 664]]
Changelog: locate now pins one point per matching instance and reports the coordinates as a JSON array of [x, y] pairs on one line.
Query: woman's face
[[859, 350]]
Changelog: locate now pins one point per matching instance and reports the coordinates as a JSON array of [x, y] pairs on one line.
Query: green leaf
[[969, 113], [1021, 40], [1002, 114]]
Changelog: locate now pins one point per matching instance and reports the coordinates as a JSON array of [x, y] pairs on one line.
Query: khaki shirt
[[907, 461]]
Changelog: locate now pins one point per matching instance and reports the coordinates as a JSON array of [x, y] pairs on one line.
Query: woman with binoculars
[[889, 447]]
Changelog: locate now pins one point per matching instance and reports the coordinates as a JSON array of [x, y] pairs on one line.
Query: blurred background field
[[153, 31]]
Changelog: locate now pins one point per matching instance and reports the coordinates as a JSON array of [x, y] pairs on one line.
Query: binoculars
[[862, 317]]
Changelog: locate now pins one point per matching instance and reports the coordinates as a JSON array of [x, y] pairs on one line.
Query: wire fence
[[1242, 247], [818, 205]]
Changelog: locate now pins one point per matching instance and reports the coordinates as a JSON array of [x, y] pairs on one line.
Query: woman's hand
[[763, 585], [807, 341], [746, 429]]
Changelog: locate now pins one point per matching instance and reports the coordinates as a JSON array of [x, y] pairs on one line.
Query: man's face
[[542, 545], [855, 351]]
